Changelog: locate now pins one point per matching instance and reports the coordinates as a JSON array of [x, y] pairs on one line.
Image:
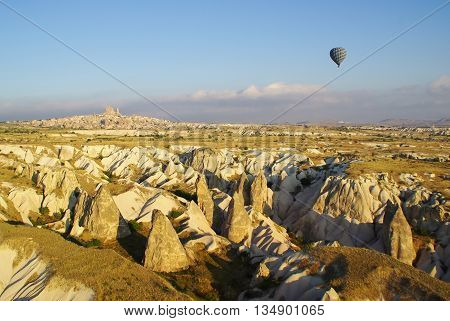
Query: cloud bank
[[260, 104]]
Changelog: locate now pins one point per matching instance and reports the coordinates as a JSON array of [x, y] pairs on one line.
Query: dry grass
[[117, 188], [397, 166], [87, 183], [361, 274], [111, 276], [11, 212], [327, 139], [8, 175]]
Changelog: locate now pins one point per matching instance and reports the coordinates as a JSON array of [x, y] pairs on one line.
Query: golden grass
[[117, 188], [330, 140], [362, 274], [87, 183], [397, 166], [11, 212], [111, 276], [8, 175]]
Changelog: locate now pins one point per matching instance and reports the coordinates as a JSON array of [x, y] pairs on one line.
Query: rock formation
[[204, 159], [397, 234], [99, 216], [238, 224], [260, 197], [194, 229], [164, 251], [24, 276], [244, 188], [204, 199]]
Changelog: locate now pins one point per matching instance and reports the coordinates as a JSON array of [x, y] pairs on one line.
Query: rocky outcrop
[[424, 209], [238, 224], [161, 201], [428, 261], [261, 195], [111, 111], [80, 210], [341, 209], [204, 159], [364, 212], [131, 202], [65, 152], [362, 198], [89, 165], [24, 276], [99, 216], [99, 151], [164, 251], [26, 201], [290, 277], [325, 205], [268, 238], [244, 188], [23, 154], [396, 234], [443, 248], [59, 186], [204, 199], [194, 229]]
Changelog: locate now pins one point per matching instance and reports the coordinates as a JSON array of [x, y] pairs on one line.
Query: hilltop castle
[[111, 111]]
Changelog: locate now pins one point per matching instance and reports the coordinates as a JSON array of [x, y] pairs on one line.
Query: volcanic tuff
[[164, 252], [275, 213]]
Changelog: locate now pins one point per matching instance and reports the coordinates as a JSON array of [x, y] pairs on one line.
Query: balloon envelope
[[338, 55]]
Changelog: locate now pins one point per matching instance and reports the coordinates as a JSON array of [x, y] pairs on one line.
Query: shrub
[[134, 225], [93, 243], [60, 214], [38, 221], [44, 210], [174, 214]]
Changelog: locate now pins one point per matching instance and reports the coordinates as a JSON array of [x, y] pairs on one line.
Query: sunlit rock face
[[99, 216], [397, 234], [25, 276], [164, 251]]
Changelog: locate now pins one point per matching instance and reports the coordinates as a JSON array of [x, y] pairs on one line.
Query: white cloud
[[441, 85], [260, 104], [253, 91]]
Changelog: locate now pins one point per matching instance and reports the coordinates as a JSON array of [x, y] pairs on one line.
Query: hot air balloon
[[338, 55]]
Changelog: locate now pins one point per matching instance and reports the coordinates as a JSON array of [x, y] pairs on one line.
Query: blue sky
[[169, 50]]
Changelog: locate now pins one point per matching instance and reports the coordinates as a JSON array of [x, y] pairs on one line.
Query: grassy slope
[[111, 276], [221, 276], [397, 166], [361, 274]]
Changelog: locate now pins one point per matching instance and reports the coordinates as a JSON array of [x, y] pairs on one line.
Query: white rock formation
[[99, 216], [205, 201], [396, 234], [26, 201], [27, 277], [164, 252], [194, 228], [237, 225]]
